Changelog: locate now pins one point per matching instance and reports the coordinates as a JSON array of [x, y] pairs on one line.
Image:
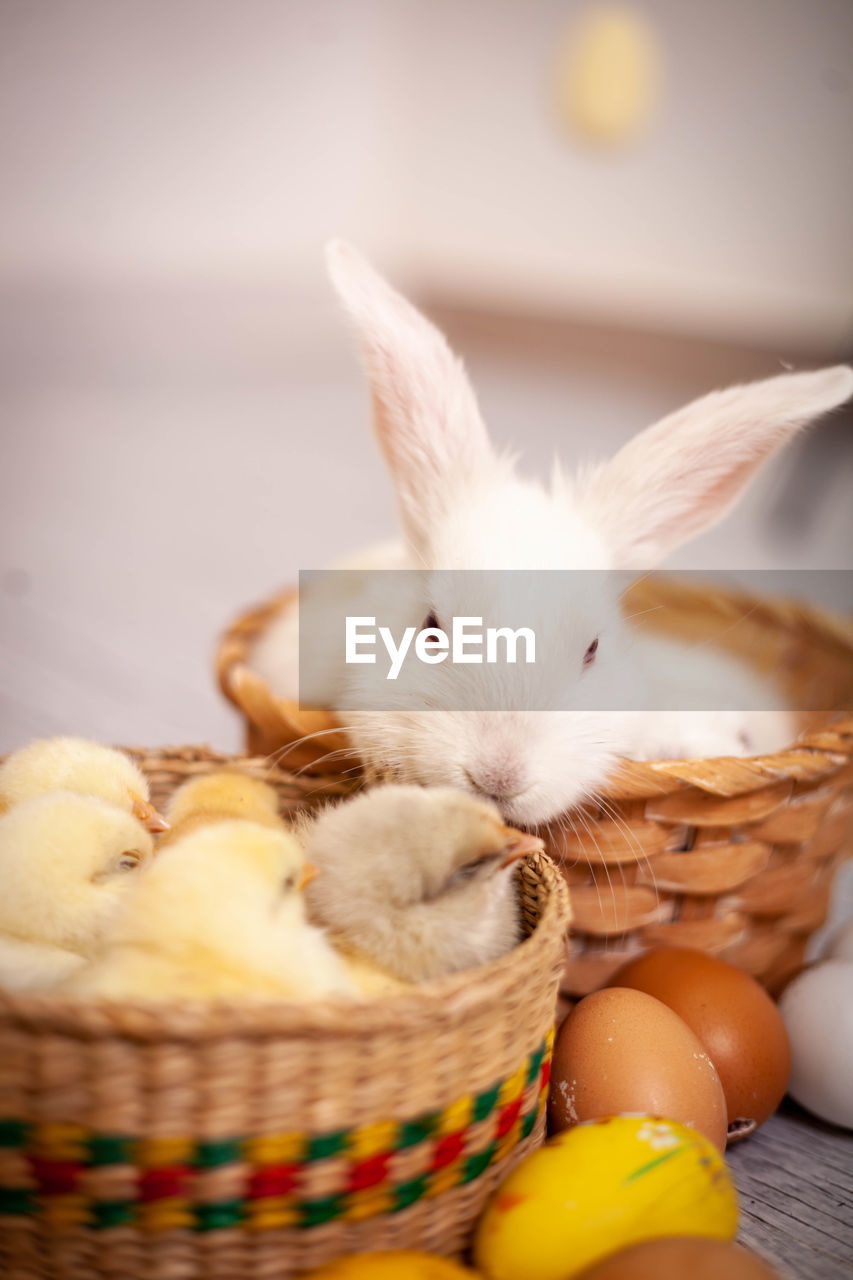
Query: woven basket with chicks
[[198, 1079]]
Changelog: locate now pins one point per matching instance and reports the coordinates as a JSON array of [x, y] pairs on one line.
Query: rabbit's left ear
[[424, 410], [679, 477]]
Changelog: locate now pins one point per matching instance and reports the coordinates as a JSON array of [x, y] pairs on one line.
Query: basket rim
[[337, 1017]]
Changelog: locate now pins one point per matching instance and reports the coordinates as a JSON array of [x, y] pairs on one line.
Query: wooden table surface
[[795, 1179]]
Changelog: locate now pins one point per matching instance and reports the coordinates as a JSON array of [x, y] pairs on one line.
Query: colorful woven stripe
[[70, 1178]]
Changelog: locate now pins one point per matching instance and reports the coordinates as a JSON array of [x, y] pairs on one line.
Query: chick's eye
[[129, 860], [430, 622], [471, 869], [289, 883], [589, 656]]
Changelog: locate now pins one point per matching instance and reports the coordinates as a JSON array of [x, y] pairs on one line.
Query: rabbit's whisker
[[643, 857]]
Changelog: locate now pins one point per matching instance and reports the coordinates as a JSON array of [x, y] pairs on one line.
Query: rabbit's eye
[[589, 656], [431, 622]]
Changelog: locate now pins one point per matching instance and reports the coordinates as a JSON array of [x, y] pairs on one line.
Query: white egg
[[818, 1011], [841, 946]]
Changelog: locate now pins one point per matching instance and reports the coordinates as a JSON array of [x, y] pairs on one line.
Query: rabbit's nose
[[496, 784]]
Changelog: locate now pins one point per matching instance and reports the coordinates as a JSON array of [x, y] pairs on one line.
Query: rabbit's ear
[[425, 412], [679, 477]]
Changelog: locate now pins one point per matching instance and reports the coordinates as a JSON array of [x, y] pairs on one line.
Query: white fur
[[463, 507]]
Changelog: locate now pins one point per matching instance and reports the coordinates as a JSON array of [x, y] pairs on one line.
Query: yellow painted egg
[[399, 1264], [602, 1186]]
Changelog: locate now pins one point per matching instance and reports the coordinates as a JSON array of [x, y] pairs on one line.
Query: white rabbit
[[462, 506]]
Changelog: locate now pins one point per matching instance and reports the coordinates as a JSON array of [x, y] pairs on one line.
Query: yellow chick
[[217, 914], [64, 864], [416, 882], [74, 764], [220, 797]]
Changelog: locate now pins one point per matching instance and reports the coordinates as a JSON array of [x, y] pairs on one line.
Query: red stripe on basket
[[448, 1150], [546, 1072], [55, 1177], [273, 1180], [368, 1173], [507, 1118], [163, 1184]]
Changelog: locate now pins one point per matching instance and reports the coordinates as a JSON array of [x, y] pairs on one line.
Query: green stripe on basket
[[13, 1133], [17, 1200], [536, 1060], [222, 1213], [315, 1212], [415, 1131], [101, 1150], [226, 1151], [475, 1165], [106, 1148], [408, 1192], [323, 1145], [485, 1103], [111, 1213], [528, 1123]]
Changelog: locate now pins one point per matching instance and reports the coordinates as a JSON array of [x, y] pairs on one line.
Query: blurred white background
[[184, 422]]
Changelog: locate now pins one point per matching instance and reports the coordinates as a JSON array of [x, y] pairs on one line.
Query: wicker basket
[[735, 856], [257, 1140]]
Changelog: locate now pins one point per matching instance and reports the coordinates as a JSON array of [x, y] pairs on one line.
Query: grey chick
[[416, 881]]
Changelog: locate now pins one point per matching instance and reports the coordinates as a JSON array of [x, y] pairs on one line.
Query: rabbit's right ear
[[679, 477], [425, 412]]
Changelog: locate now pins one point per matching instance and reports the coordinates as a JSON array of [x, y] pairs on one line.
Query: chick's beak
[[148, 815], [309, 871], [519, 844]]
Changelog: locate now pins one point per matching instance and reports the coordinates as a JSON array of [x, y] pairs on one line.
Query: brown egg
[[623, 1051], [677, 1257], [739, 1025]]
